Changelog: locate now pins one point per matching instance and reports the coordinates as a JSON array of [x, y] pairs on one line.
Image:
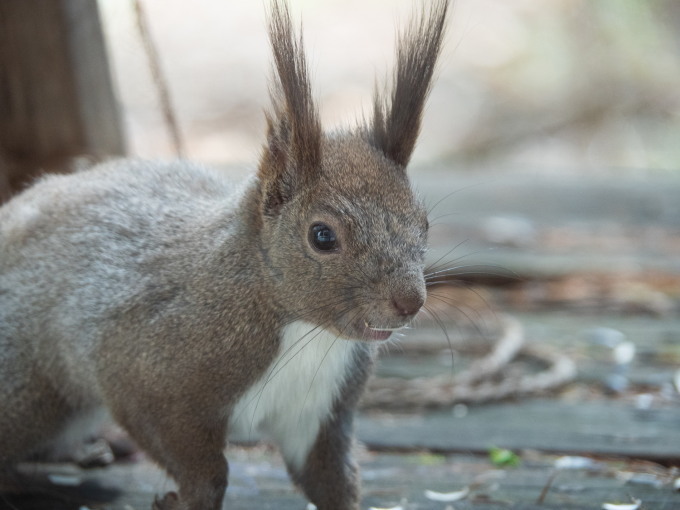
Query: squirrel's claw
[[168, 502]]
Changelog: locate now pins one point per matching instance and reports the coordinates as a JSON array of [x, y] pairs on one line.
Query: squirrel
[[184, 306]]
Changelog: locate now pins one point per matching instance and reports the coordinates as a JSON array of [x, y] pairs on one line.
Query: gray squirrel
[[182, 306]]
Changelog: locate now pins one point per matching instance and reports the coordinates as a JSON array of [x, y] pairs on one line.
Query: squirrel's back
[[125, 191], [75, 249]]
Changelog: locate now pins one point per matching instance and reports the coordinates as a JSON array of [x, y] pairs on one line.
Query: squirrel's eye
[[322, 237]]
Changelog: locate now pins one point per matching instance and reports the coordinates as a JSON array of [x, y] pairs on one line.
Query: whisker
[[480, 270], [307, 312], [449, 252], [441, 325], [438, 266], [311, 383], [276, 369], [483, 299], [454, 192], [270, 375], [460, 310], [454, 310], [433, 221]]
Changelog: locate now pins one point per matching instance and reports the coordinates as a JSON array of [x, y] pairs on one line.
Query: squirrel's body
[[131, 239], [184, 306]]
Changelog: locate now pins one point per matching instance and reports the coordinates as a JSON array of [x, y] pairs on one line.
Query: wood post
[[56, 94]]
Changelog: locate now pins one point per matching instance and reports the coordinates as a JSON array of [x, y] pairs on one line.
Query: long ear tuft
[[396, 120], [293, 149]]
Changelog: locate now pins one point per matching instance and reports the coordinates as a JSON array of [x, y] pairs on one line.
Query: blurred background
[[550, 161], [563, 86]]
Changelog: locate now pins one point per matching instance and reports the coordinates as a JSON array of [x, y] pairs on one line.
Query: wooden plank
[[56, 96], [258, 479], [595, 428]]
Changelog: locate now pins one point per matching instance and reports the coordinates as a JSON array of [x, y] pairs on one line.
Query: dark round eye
[[322, 237]]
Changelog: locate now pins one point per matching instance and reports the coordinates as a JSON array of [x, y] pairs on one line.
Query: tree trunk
[[56, 95]]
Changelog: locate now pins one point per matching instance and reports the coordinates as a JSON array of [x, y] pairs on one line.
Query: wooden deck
[[259, 480], [621, 448], [621, 423]]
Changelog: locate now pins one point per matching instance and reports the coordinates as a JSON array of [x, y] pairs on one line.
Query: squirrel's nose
[[408, 305]]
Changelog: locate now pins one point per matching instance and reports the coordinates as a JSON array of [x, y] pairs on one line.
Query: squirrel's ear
[[292, 154], [397, 115]]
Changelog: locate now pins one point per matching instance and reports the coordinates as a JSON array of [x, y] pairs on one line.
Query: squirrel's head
[[342, 233]]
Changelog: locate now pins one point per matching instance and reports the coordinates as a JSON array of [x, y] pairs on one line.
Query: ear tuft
[[396, 119], [293, 152]]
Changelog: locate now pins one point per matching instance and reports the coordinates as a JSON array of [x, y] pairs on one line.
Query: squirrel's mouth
[[375, 333], [363, 330]]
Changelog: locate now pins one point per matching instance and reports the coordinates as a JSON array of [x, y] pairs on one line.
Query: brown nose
[[408, 305]]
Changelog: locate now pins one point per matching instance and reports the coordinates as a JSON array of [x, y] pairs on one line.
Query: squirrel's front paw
[[168, 502]]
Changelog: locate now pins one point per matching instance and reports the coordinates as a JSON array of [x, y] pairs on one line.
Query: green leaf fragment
[[502, 457]]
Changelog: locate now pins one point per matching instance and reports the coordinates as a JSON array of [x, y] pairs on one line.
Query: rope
[[485, 380]]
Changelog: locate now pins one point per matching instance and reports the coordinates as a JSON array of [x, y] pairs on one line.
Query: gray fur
[[160, 293]]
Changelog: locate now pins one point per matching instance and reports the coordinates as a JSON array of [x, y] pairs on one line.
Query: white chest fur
[[297, 392]]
